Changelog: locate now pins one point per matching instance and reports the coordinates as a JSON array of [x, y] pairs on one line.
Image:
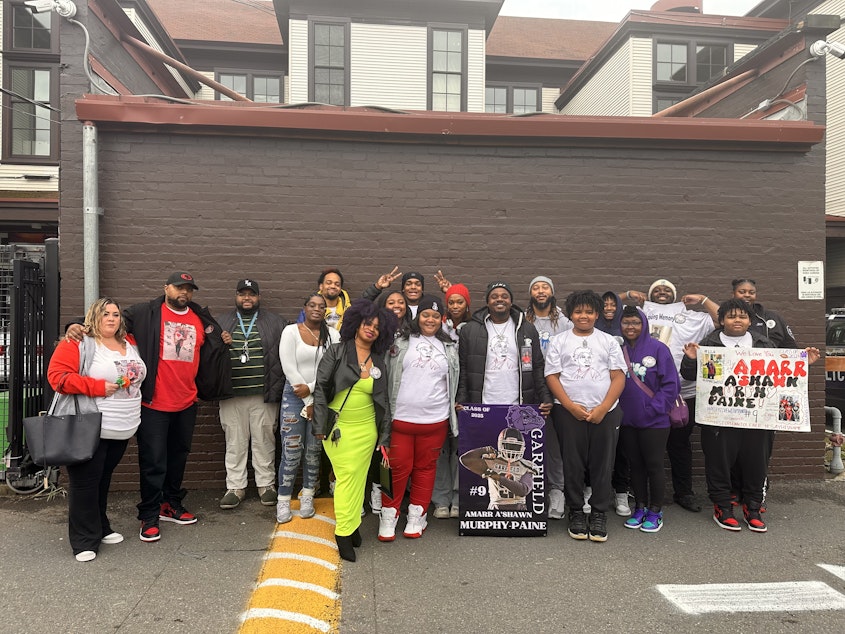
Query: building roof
[[235, 21], [544, 38]]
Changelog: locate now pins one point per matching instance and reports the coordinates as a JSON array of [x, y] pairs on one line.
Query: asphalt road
[[200, 578]]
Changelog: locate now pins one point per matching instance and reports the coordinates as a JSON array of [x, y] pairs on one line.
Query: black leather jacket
[[339, 370]]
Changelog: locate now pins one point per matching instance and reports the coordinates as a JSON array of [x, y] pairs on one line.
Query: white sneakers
[[588, 493], [556, 504], [283, 514], [112, 538], [416, 522], [306, 506], [622, 508], [441, 513], [387, 524], [86, 555], [375, 498]]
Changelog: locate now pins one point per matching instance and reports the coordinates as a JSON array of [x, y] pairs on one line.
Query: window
[[330, 63], [32, 130], [30, 31], [448, 74], [510, 98], [672, 62], [662, 102], [260, 87], [31, 77]]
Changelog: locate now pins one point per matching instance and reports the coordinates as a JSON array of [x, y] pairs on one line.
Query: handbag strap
[[637, 380]]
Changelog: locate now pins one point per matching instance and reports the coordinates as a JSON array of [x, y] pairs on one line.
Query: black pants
[[724, 446], [587, 447], [645, 449], [621, 478], [88, 491], [679, 449], [164, 442]]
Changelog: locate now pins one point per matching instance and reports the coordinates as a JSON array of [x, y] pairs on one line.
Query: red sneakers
[[753, 519], [724, 517], [149, 531], [176, 514]]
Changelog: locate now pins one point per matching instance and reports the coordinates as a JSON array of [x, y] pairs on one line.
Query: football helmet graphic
[[511, 445]]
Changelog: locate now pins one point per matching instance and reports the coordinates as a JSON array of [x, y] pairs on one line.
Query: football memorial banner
[[754, 388], [501, 449]]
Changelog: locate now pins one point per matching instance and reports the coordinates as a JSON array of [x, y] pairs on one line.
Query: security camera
[[820, 47], [39, 6]]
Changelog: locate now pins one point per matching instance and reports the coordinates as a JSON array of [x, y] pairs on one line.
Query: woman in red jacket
[[107, 367]]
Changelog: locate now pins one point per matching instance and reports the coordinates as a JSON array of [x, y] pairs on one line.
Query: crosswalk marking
[[792, 596], [290, 583], [838, 571], [296, 617], [308, 538], [308, 558]]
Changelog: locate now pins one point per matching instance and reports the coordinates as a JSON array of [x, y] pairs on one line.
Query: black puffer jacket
[[339, 370], [472, 351], [270, 326], [214, 376]]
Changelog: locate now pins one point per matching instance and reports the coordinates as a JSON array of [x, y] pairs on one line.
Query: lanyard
[[246, 332]]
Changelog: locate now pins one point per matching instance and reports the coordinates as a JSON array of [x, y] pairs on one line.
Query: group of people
[[380, 379]]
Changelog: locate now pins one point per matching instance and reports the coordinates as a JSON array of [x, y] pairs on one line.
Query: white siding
[[835, 136], [608, 91], [547, 99], [741, 50], [388, 66], [147, 37], [476, 68], [642, 102], [207, 92], [298, 64], [11, 178]]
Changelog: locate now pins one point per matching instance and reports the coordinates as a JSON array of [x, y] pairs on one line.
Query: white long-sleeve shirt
[[300, 360]]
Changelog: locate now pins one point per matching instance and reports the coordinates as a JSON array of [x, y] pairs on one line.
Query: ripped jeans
[[295, 432]]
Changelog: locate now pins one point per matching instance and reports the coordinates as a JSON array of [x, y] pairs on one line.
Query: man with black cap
[[249, 418], [499, 351], [170, 391], [413, 285]]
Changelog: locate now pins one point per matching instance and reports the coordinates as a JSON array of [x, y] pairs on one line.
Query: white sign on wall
[[811, 280]]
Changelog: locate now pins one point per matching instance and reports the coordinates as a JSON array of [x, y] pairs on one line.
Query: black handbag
[[60, 440]]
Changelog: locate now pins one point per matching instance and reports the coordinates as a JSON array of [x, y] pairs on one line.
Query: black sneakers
[[598, 526], [577, 525]]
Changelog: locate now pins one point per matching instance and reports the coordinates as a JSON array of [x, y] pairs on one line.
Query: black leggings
[[645, 449]]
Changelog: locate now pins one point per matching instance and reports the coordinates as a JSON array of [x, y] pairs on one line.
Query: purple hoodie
[[653, 363]]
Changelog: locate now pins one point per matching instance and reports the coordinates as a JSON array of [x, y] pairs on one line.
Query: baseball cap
[[245, 284], [180, 277]]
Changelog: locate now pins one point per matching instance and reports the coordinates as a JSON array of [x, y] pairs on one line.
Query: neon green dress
[[350, 455]]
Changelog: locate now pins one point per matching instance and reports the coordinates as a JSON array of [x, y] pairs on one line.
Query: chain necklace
[[311, 332], [500, 334]]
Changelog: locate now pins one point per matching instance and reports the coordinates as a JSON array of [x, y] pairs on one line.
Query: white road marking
[[838, 571], [792, 596], [301, 585], [325, 518], [309, 559], [268, 613], [307, 538]]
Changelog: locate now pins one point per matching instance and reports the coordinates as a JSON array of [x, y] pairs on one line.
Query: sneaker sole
[[554, 515], [306, 516], [284, 520], [651, 530], [598, 538], [230, 506], [164, 518], [765, 529], [383, 538], [734, 529], [454, 514], [578, 536], [269, 502], [150, 539], [624, 513], [632, 526], [108, 539]]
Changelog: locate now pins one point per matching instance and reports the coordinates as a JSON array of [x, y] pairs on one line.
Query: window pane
[[322, 34], [438, 102], [495, 99], [440, 38], [439, 61], [455, 38], [438, 82], [710, 62], [321, 55], [453, 83], [336, 57], [30, 30], [664, 53], [454, 63], [337, 35], [337, 96], [671, 62], [321, 93], [453, 103], [267, 89]]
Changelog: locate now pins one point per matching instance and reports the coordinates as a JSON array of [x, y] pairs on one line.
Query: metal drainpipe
[[90, 215], [836, 461]]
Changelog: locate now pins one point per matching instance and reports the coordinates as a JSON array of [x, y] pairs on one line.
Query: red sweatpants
[[414, 449]]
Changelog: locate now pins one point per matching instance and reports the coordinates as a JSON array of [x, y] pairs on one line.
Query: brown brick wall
[[280, 210]]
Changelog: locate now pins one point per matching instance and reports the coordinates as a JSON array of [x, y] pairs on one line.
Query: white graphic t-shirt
[[423, 395], [501, 374], [676, 325], [546, 329], [584, 364]]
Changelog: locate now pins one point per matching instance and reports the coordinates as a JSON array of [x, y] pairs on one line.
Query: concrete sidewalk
[[199, 578]]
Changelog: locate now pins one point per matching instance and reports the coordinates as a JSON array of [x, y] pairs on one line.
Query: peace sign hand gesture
[[387, 279]]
